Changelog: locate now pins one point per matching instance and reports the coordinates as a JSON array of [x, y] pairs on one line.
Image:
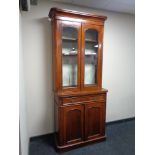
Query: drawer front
[[71, 99], [86, 98], [93, 98]]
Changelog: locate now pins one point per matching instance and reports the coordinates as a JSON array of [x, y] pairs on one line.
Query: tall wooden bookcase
[[80, 100]]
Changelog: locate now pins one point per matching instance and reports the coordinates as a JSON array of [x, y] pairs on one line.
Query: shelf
[[90, 53], [76, 54], [74, 39], [69, 39], [90, 40], [69, 54]]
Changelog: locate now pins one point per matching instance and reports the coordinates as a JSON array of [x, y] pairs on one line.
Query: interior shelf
[[69, 54], [69, 39], [87, 54], [75, 39], [90, 40]]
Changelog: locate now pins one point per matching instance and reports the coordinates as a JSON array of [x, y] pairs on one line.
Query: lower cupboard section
[[80, 123]]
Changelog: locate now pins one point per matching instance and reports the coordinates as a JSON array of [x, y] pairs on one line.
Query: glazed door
[[73, 123], [94, 120], [70, 55], [92, 39]]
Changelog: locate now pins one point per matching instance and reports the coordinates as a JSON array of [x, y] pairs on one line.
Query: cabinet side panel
[[100, 55], [55, 54], [56, 127], [60, 125]]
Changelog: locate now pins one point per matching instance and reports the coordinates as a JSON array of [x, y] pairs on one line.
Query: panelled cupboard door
[[94, 120], [70, 45], [91, 68], [73, 123]]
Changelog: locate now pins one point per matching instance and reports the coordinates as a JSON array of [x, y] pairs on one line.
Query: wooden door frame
[[76, 25], [99, 28]]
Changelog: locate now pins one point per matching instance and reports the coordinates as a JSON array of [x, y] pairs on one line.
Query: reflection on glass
[[91, 56], [69, 56]]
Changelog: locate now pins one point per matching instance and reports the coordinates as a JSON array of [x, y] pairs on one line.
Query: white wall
[[24, 138], [118, 65]]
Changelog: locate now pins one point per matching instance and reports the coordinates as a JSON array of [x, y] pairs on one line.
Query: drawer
[[71, 99], [86, 98], [94, 98]]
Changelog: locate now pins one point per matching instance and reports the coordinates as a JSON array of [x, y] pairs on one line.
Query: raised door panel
[[94, 120], [73, 123]]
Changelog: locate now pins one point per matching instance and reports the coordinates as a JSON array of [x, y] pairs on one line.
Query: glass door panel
[[69, 56], [91, 57]]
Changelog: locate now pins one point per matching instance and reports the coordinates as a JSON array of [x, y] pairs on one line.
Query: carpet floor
[[120, 141]]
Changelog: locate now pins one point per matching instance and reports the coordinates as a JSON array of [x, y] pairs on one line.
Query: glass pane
[[91, 57], [69, 56]]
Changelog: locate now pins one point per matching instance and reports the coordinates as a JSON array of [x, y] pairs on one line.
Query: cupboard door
[[91, 56], [70, 55], [73, 123], [94, 120]]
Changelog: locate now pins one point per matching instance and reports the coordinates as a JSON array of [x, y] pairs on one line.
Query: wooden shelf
[[69, 54], [74, 39], [69, 39], [76, 54], [90, 40]]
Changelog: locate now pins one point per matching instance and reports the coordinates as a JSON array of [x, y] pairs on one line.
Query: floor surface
[[120, 141]]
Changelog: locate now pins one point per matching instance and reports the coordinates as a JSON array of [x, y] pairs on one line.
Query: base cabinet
[[80, 122]]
